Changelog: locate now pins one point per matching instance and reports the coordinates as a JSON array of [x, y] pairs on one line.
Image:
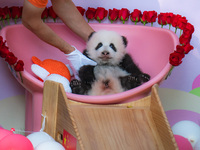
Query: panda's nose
[[105, 53]]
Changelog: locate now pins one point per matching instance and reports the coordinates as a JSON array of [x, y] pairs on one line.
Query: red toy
[[11, 141]]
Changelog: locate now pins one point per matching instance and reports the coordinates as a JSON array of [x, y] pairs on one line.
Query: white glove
[[77, 60]]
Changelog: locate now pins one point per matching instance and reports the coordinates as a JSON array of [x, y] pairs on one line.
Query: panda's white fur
[[107, 72], [107, 80]]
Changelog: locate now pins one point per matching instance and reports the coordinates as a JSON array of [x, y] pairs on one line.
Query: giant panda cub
[[115, 70]]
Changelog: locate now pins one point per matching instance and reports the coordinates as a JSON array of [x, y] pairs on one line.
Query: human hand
[[77, 60]]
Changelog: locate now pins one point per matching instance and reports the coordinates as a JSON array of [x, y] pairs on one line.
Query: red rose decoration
[[169, 17], [4, 51], [7, 13], [45, 14], [180, 49], [136, 15], [144, 17], [81, 10], [2, 14], [162, 19], [1, 42], [175, 20], [52, 13], [175, 58], [100, 14], [149, 17], [11, 59], [188, 48], [21, 9], [185, 39], [16, 13], [182, 21], [90, 13], [19, 66], [152, 16], [113, 14], [124, 14], [188, 30]]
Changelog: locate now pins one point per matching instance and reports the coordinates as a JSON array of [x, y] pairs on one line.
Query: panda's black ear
[[90, 35], [124, 40]]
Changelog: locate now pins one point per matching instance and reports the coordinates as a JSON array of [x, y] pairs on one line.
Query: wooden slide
[[138, 125]]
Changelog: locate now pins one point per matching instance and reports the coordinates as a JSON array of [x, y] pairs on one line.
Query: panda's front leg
[[143, 77], [86, 75], [76, 87], [129, 82], [132, 81]]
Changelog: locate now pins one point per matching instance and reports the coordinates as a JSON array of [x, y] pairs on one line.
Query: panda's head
[[106, 47]]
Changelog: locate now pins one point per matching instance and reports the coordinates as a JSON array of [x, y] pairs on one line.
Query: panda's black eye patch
[[113, 47], [98, 46]]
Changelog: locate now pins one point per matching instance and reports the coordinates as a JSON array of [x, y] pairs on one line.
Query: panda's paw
[[143, 78], [129, 82], [76, 87], [75, 83], [132, 78]]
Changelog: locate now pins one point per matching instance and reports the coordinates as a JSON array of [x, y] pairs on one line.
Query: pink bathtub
[[149, 46]]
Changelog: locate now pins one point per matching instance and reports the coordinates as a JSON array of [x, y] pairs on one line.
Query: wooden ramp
[[138, 125]]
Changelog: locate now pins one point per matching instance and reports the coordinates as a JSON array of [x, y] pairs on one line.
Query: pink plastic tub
[[149, 46]]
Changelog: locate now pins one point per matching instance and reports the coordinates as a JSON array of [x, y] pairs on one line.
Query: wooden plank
[[161, 121], [116, 128], [56, 110], [50, 107]]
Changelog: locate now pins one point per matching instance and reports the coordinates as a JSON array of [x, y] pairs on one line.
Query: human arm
[[31, 18], [69, 14]]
